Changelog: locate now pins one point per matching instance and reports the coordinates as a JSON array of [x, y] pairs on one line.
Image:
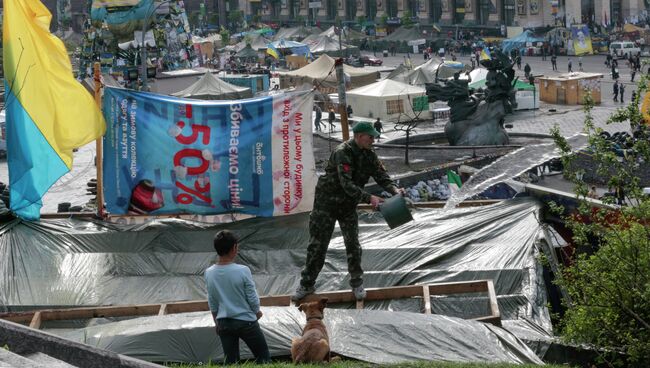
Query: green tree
[[225, 36], [384, 19], [407, 19], [608, 283]]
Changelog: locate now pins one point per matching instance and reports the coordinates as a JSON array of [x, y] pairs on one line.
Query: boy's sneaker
[[302, 292], [359, 292]]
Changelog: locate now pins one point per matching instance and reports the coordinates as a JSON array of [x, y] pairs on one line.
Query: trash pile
[[430, 190]]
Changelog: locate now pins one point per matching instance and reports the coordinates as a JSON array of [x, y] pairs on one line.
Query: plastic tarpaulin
[[168, 155], [85, 263], [379, 337]]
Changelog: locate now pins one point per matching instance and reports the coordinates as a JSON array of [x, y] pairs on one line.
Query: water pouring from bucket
[[395, 210]]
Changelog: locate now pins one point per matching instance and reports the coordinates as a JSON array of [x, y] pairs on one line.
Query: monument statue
[[477, 117]]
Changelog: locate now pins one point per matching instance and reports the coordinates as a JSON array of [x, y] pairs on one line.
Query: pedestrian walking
[[379, 127], [518, 62], [580, 63], [633, 73], [319, 116], [570, 65], [349, 111], [554, 62], [615, 91], [621, 91], [544, 53], [234, 303], [527, 70], [330, 118], [608, 60], [338, 193]]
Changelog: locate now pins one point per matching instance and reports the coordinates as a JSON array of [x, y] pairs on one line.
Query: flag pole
[[97, 75]]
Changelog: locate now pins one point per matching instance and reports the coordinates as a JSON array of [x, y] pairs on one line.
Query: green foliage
[[407, 19], [384, 19], [361, 20], [609, 281], [225, 36]]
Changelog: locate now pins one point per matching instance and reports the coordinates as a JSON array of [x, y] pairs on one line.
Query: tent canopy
[[405, 34], [296, 33], [325, 44], [247, 53], [348, 34], [386, 88], [322, 70], [520, 41], [445, 69], [210, 87]]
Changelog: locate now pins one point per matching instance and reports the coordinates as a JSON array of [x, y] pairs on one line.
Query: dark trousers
[[321, 226], [231, 330]]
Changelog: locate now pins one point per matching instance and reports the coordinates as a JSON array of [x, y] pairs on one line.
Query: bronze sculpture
[[477, 117]]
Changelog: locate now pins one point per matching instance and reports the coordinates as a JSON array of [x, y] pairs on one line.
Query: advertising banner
[[165, 155]]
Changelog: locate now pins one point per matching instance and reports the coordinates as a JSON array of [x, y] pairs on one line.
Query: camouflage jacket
[[348, 170]]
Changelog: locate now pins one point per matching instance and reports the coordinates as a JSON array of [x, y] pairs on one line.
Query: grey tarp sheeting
[[83, 263], [210, 87], [327, 45], [379, 337]]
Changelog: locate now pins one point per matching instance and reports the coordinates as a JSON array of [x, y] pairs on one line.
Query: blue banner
[[165, 155]]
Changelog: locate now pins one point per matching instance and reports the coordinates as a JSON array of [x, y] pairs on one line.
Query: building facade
[[480, 13]]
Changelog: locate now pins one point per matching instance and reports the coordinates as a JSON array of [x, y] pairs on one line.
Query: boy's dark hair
[[224, 241]]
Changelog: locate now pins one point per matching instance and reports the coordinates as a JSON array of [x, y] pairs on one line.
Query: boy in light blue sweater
[[234, 302]]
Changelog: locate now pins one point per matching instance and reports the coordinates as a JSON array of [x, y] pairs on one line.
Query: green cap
[[365, 127]]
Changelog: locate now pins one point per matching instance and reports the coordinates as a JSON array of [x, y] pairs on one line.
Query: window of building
[[395, 106]]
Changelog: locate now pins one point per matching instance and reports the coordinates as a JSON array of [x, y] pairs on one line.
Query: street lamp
[[152, 10]]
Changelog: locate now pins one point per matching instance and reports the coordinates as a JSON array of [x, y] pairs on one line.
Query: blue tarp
[[520, 41], [297, 48]]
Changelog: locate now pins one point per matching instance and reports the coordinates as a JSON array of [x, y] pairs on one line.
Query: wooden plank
[[189, 306], [494, 305], [489, 319], [343, 296], [36, 321], [476, 286], [427, 299], [441, 204], [359, 304]]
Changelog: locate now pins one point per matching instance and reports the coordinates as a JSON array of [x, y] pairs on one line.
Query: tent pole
[[97, 75], [343, 112]]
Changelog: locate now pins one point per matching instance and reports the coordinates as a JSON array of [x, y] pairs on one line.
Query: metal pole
[[343, 112], [99, 165]]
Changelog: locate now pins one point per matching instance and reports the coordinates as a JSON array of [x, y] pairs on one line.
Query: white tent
[[322, 71], [387, 99]]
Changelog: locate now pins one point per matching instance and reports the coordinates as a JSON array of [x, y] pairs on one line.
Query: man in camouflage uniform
[[337, 194]]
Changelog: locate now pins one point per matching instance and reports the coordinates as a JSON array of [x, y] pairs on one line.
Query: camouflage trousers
[[321, 227]]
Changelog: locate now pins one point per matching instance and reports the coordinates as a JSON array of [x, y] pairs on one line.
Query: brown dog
[[314, 345]]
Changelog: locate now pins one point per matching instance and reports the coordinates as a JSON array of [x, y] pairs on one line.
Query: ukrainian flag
[[48, 112], [485, 54], [271, 50]]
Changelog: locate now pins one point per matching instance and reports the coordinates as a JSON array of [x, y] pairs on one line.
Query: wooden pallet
[[424, 292]]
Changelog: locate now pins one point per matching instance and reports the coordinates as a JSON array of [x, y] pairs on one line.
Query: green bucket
[[395, 211]]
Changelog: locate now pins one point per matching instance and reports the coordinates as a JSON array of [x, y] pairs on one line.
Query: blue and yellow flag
[[271, 50], [48, 112], [485, 54]]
